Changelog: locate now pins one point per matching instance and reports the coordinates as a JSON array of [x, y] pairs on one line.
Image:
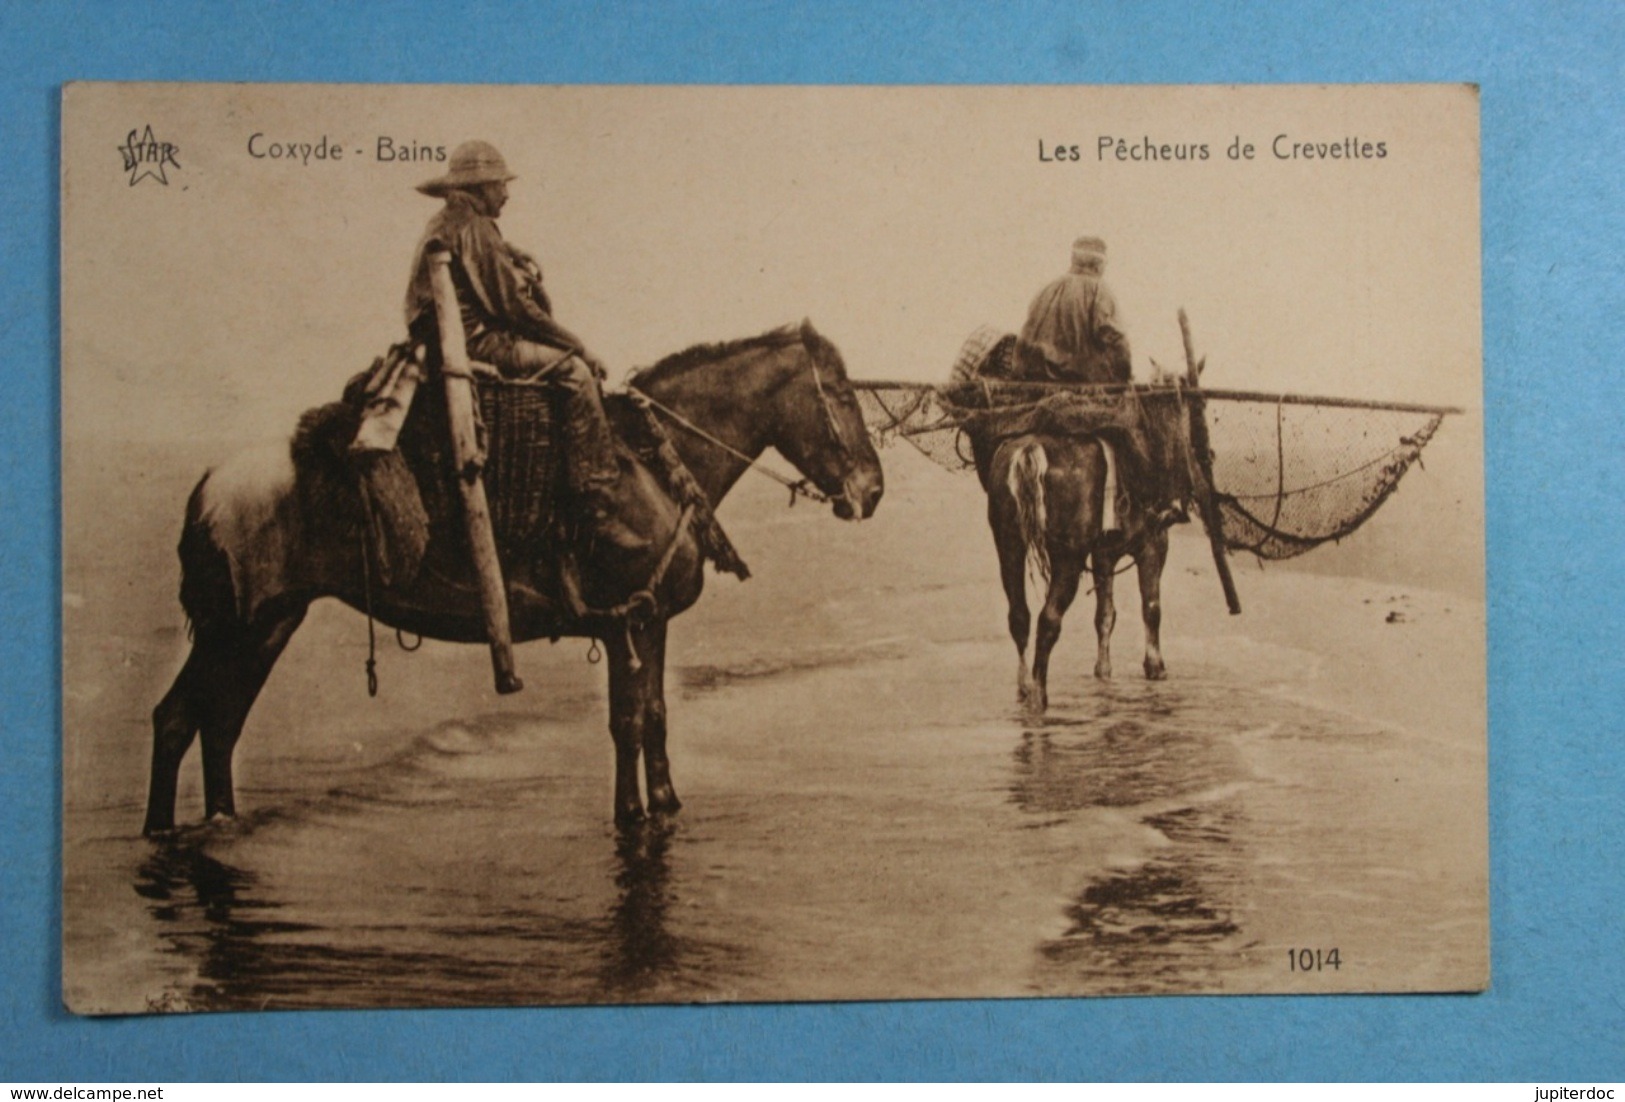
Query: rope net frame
[[1289, 478], [1289, 473]]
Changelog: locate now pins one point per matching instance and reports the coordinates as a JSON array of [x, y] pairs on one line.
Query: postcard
[[601, 545]]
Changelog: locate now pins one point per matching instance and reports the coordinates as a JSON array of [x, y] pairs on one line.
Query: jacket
[[494, 290], [1073, 322]]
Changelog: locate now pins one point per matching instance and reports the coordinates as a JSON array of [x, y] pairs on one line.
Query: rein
[[801, 488]]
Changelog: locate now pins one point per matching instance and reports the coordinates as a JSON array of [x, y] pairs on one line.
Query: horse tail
[[208, 596], [1026, 484]]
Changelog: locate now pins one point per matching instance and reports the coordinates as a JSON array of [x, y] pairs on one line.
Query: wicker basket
[[523, 461], [986, 352]]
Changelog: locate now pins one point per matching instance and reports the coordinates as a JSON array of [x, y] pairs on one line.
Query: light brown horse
[[265, 536], [1046, 504]]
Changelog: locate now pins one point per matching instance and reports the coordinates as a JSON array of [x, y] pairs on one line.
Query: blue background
[[1552, 103]]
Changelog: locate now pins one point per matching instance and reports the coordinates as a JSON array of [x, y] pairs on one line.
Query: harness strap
[[366, 586], [639, 608]]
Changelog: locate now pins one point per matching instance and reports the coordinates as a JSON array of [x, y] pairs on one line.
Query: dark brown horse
[[1047, 504], [265, 536]]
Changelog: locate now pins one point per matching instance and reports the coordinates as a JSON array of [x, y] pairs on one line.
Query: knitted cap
[[1088, 254]]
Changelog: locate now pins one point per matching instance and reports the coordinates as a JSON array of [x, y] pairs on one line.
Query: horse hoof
[[629, 816], [1103, 673], [1155, 673], [665, 803]]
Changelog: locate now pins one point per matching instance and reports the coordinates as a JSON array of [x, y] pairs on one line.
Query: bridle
[[837, 437], [798, 488]]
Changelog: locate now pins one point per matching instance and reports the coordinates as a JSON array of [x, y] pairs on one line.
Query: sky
[[220, 302]]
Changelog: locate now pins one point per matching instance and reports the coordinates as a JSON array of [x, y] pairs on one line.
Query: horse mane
[[702, 354]]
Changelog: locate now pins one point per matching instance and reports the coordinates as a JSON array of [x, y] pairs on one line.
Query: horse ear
[[807, 330]]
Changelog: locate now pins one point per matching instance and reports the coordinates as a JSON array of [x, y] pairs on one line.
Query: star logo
[[144, 156]]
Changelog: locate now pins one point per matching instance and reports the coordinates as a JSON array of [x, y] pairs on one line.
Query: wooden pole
[[1148, 388], [454, 368], [1204, 464]]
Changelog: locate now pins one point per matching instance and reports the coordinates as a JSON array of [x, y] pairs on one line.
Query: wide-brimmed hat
[[472, 163], [1088, 254]]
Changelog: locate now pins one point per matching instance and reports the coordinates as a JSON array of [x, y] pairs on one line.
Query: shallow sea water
[[868, 813]]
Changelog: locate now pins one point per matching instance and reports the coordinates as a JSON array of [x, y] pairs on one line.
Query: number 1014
[[1313, 960]]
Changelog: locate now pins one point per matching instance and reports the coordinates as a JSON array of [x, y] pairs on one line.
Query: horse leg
[[650, 641], [1149, 562], [1105, 613], [1065, 570], [1013, 572], [174, 725], [628, 689], [243, 667]]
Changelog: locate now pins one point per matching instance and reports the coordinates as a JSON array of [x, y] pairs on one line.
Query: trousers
[[590, 462]]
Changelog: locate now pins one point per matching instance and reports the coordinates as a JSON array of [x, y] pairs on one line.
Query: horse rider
[[1072, 325], [508, 323], [1072, 334]]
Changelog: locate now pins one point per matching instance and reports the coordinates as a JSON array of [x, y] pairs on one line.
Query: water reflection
[[1169, 916], [1167, 924], [207, 910], [1122, 762], [641, 950], [180, 880], [476, 945]]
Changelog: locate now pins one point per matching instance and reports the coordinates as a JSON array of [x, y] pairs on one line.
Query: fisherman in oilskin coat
[[508, 322], [1072, 324], [1072, 335]]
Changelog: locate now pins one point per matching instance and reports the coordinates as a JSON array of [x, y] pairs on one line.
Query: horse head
[[1168, 433], [787, 389], [819, 428]]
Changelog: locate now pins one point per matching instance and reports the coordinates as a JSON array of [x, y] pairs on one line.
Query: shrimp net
[[1288, 473], [1290, 476]]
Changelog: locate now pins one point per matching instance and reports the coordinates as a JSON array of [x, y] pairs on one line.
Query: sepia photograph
[[650, 544]]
